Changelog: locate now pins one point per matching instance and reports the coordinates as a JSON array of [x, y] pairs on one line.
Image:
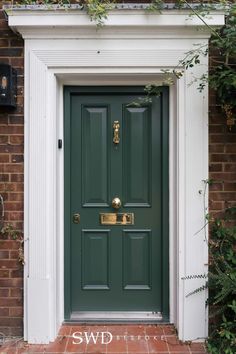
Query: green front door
[[116, 149]]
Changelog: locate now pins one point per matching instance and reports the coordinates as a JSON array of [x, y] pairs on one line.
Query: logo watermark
[[102, 337], [106, 337]]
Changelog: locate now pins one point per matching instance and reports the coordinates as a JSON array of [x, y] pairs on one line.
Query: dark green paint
[[95, 259], [116, 267], [137, 261], [137, 145]]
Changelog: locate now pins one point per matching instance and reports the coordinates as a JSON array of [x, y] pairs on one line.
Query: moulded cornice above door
[[126, 23]]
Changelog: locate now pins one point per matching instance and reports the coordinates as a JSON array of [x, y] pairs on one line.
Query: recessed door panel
[[137, 259], [116, 201], [137, 156], [95, 156], [95, 259]]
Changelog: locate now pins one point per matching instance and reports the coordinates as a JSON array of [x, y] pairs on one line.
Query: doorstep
[[106, 339]]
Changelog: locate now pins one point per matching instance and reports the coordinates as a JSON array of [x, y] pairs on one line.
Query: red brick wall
[[11, 187], [222, 169], [222, 156]]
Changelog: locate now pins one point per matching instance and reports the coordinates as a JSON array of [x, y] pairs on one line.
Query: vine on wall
[[220, 279], [222, 285], [8, 231]]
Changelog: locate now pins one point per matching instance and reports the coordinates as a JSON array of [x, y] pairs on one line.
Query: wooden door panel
[[137, 259], [95, 156], [137, 156], [95, 259]]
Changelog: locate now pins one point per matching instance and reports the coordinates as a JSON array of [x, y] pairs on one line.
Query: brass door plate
[[117, 218]]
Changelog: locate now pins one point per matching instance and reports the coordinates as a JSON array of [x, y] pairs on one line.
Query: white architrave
[[133, 48]]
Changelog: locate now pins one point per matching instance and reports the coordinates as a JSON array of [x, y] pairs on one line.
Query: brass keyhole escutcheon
[[116, 203], [76, 218]]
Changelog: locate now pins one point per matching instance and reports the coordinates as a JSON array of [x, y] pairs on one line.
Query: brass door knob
[[116, 203]]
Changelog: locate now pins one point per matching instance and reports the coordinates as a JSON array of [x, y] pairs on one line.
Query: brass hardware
[[76, 218], [116, 203], [116, 127], [117, 218]]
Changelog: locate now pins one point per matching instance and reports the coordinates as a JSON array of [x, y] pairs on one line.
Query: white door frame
[[133, 48]]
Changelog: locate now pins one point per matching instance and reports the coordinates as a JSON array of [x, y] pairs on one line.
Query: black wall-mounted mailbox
[[8, 87]]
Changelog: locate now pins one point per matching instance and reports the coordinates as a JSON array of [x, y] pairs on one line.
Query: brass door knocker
[[116, 127]]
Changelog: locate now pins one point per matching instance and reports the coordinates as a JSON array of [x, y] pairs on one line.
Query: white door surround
[[64, 47]]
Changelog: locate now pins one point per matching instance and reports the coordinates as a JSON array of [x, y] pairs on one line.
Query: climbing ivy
[[220, 279], [222, 285], [222, 76], [98, 10], [8, 231]]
